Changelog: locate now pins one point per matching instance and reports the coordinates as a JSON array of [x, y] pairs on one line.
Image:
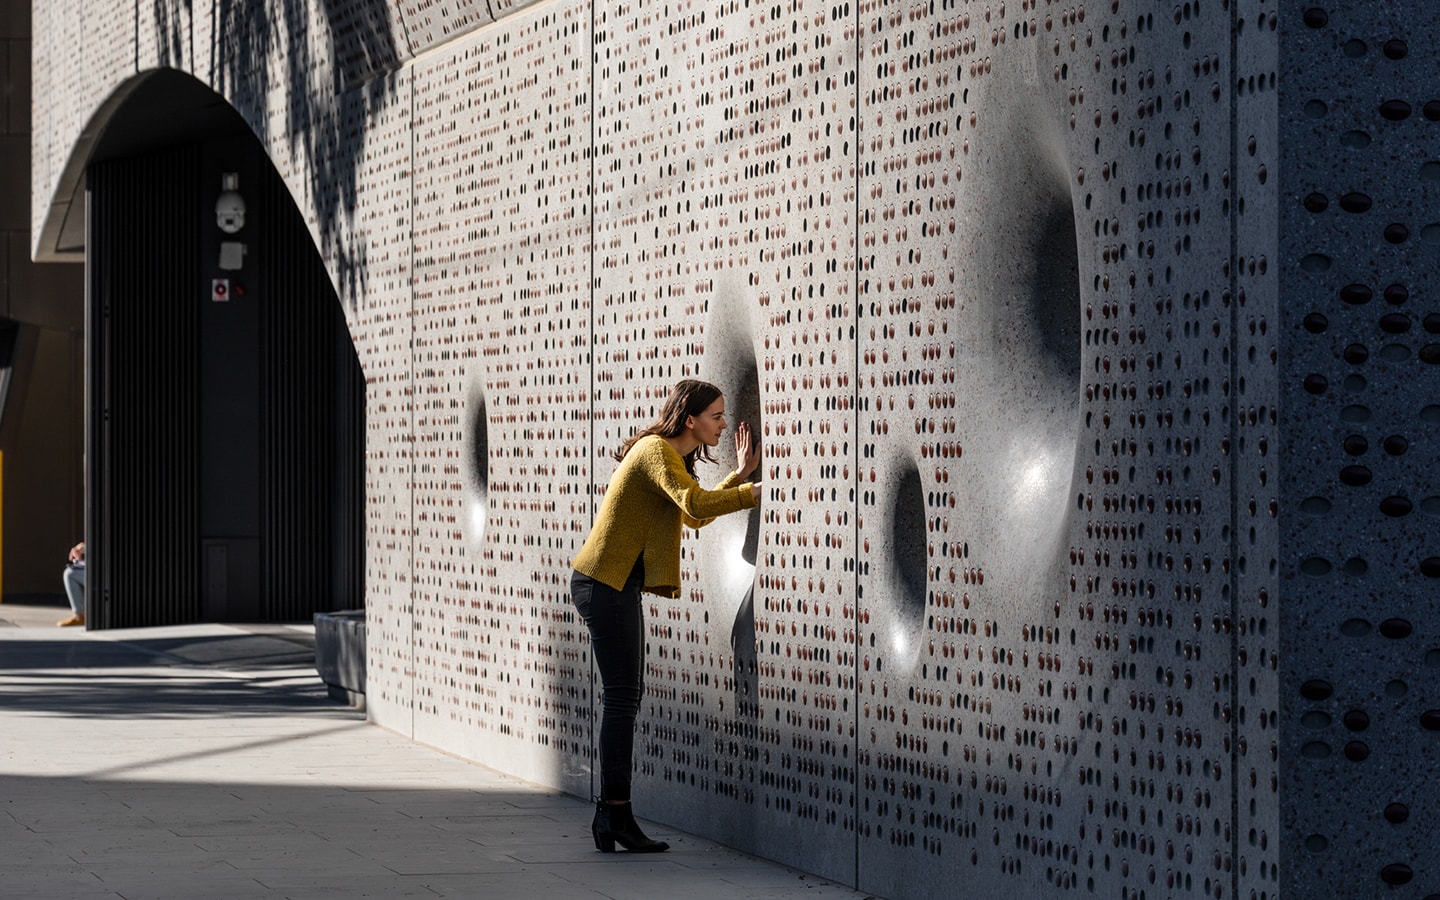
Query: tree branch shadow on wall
[[336, 76], [172, 19]]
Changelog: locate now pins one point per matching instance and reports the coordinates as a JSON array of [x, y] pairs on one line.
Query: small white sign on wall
[[232, 255]]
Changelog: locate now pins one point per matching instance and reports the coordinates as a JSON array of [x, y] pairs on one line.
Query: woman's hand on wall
[[747, 452]]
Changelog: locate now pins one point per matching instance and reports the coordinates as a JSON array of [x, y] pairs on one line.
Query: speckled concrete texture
[[1360, 196], [1082, 339]]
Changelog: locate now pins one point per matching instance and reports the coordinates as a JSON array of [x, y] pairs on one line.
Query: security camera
[[230, 206]]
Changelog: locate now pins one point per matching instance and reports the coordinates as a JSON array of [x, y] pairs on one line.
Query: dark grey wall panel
[[1360, 376]]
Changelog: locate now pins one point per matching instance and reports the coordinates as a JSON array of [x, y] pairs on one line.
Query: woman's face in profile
[[709, 425]]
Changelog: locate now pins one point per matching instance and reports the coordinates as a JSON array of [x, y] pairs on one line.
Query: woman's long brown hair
[[688, 398]]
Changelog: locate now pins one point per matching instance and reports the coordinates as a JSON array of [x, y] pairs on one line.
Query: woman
[[634, 546]]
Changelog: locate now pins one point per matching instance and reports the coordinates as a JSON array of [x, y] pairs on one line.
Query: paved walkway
[[207, 762]]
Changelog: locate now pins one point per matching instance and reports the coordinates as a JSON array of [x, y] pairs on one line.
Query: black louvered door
[[225, 443]]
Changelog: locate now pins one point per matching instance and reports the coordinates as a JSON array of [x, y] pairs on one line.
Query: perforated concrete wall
[[1359, 206], [1081, 338]]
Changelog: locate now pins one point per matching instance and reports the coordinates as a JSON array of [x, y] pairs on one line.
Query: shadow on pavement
[[95, 836], [234, 674], [151, 696], [129, 770]]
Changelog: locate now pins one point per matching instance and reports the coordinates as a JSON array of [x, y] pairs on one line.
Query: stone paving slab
[[206, 762]]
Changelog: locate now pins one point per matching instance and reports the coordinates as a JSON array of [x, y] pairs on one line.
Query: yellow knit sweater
[[650, 496]]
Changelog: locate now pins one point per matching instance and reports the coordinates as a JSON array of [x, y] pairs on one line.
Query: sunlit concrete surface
[[207, 761]]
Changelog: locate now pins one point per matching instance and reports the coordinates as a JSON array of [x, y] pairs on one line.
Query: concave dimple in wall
[[900, 568], [1021, 344], [1054, 298], [742, 404], [477, 461], [728, 546]]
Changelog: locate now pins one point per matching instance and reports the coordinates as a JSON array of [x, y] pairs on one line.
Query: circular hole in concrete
[[1020, 346], [1055, 298], [1315, 720], [742, 404], [1022, 350], [728, 547], [1355, 628], [1355, 567], [908, 561], [477, 459], [895, 596]]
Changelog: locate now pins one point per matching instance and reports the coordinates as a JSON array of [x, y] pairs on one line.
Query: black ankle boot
[[615, 823]]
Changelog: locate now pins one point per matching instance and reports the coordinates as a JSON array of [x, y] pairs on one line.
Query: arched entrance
[[225, 437]]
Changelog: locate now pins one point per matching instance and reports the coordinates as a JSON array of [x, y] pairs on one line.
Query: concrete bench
[[340, 654]]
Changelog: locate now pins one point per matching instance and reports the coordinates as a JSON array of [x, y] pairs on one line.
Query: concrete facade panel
[[364, 214], [58, 51], [104, 56], [1033, 416], [1255, 312], [369, 39], [724, 229], [1359, 195], [165, 36], [501, 279], [1014, 295], [431, 23]]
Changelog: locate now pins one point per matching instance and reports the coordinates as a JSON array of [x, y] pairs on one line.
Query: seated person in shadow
[[74, 578]]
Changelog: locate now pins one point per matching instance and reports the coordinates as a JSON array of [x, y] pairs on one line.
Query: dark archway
[[225, 446]]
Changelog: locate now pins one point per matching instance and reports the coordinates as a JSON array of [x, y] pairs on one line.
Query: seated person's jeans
[[74, 578]]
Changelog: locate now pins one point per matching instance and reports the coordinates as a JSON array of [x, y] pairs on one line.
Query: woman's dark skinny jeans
[[617, 641]]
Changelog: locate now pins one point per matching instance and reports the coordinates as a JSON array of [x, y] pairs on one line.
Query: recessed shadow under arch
[[226, 467]]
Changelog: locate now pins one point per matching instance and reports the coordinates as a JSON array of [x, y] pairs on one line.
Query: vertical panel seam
[[855, 231], [590, 402]]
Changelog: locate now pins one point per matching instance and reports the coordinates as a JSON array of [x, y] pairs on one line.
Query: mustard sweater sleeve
[[731, 481], [666, 470]]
